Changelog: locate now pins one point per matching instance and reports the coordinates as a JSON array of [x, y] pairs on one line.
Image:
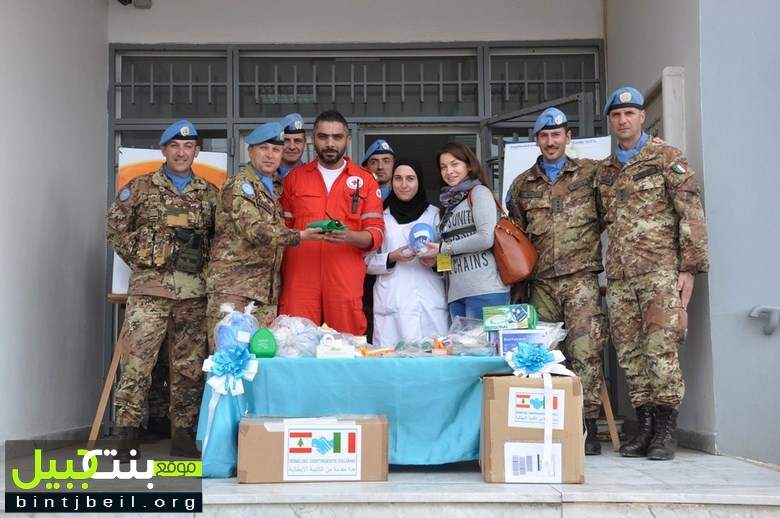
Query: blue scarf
[[178, 182], [267, 182], [284, 169], [624, 155], [386, 189], [553, 169]]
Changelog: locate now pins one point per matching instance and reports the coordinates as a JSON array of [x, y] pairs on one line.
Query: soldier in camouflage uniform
[[250, 234], [161, 224], [159, 402], [554, 201], [649, 200]]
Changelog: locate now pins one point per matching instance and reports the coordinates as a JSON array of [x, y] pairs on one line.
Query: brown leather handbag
[[515, 255]]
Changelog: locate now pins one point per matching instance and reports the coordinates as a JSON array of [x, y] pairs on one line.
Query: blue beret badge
[[124, 194], [248, 189]]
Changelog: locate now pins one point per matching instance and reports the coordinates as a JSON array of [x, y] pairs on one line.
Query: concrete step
[[694, 484]]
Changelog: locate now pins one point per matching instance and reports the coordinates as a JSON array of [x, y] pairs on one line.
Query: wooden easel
[[110, 376], [605, 402]]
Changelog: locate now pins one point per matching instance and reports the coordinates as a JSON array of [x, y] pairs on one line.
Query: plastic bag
[[296, 337], [414, 348], [467, 337], [236, 328], [554, 333]]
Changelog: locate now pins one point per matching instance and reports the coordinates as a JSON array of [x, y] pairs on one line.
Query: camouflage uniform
[[159, 397], [249, 242], [562, 223], [655, 224], [141, 227]]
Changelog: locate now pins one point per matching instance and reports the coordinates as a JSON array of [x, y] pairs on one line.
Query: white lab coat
[[409, 299]]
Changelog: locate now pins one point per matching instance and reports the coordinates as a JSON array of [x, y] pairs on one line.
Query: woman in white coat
[[409, 298]]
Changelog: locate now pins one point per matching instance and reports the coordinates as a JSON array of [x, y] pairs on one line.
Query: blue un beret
[[377, 148], [292, 123], [625, 97], [272, 132], [550, 118], [179, 130]]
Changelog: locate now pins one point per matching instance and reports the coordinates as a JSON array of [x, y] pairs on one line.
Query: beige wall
[[641, 39], [53, 86], [253, 21]]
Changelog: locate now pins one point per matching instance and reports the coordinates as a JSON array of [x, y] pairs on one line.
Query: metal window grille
[[162, 85], [525, 79], [370, 85]]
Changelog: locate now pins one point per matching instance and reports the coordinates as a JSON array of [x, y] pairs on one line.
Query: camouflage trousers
[[146, 322], [575, 300], [647, 324], [264, 313], [159, 398]]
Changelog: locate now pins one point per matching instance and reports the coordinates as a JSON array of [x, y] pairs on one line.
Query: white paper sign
[[321, 452], [519, 156], [120, 280], [523, 463], [526, 408], [130, 161]]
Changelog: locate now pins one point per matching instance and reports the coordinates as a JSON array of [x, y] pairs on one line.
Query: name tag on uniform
[[175, 217], [443, 263]]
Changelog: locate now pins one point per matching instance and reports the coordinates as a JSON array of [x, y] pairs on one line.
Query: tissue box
[[510, 316], [509, 338]]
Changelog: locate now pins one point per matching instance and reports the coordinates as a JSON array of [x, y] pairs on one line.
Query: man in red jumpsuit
[[323, 279]]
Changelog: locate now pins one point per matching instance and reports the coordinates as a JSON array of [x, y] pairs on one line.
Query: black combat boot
[[637, 446], [157, 428], [183, 443], [664, 442], [127, 437], [592, 444]]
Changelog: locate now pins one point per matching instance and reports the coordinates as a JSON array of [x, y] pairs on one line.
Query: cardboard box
[[338, 448], [510, 316], [512, 437]]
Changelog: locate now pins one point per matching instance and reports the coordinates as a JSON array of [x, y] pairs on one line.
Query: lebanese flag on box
[[299, 442]]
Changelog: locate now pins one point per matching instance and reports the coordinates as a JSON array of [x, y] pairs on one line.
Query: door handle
[[772, 315]]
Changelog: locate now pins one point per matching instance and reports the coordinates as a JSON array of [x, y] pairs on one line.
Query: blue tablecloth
[[433, 405]]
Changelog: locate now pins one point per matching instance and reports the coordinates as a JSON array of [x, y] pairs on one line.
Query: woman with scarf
[[409, 300], [469, 218]]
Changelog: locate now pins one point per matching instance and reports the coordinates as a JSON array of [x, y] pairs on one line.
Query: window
[[359, 85], [164, 85]]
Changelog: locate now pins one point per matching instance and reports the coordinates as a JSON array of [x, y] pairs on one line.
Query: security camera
[[138, 4]]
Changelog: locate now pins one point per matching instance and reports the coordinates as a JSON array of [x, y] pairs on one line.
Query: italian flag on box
[[344, 442]]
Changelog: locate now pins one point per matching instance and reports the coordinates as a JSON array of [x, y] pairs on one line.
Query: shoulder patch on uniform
[[124, 194], [379, 193], [248, 189], [680, 167]]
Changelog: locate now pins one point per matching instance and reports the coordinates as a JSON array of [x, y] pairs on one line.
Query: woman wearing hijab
[[409, 299], [467, 226]]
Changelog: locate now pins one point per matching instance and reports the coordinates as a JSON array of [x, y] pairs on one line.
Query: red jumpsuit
[[324, 281]]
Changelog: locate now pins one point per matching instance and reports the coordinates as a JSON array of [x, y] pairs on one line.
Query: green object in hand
[[327, 225], [263, 343]]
